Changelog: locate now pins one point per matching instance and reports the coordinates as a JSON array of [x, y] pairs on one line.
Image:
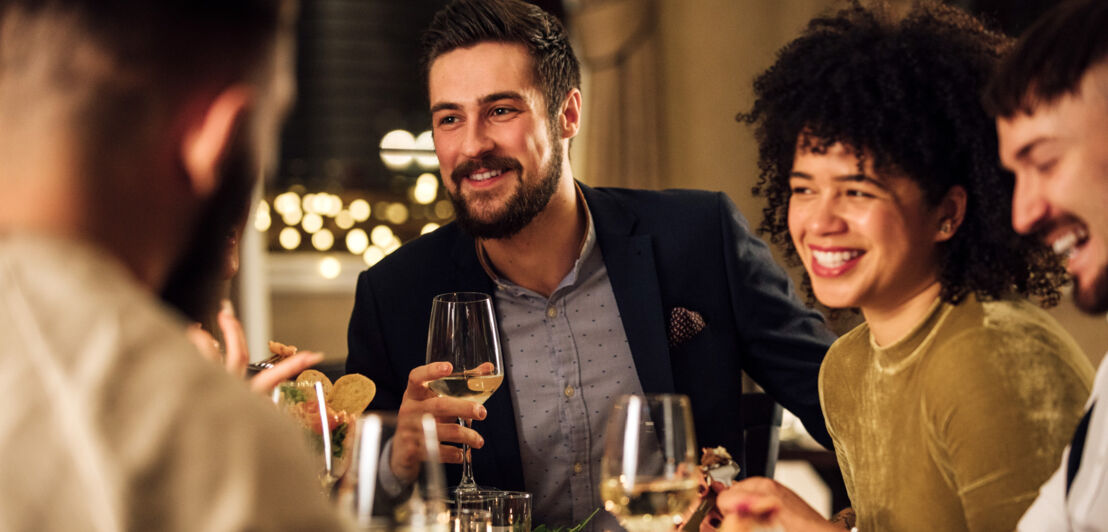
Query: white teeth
[[485, 175], [834, 259], [1067, 243]]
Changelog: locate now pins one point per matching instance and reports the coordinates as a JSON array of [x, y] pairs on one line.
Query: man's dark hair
[[121, 71], [122, 64], [905, 93], [1051, 58], [465, 23]]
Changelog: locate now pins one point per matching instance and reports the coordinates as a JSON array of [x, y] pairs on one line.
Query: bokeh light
[[289, 238], [357, 241], [323, 240], [397, 140], [344, 219], [373, 255], [359, 210], [330, 267], [381, 236], [426, 189], [396, 213], [312, 222]]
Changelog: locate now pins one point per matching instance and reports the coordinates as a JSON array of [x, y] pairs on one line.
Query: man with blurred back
[[1051, 101], [132, 134]]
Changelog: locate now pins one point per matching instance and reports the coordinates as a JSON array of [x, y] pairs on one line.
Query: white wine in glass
[[463, 332], [649, 469]]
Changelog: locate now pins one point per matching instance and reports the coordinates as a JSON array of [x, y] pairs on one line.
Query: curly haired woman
[[952, 403]]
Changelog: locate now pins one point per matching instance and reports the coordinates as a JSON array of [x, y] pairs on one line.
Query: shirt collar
[[588, 249]]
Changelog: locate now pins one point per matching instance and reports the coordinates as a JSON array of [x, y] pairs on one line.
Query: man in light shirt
[[1051, 101], [132, 134]]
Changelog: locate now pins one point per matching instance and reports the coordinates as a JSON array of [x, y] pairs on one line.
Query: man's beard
[[1092, 299], [194, 281], [522, 207]]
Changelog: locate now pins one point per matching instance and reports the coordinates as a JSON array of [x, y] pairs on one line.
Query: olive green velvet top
[[955, 426]]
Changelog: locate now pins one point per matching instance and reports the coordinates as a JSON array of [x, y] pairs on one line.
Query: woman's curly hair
[[905, 93]]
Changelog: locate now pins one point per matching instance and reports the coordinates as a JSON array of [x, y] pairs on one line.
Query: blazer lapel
[[629, 259], [499, 459]]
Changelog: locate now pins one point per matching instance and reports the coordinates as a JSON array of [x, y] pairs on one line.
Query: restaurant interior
[[358, 176]]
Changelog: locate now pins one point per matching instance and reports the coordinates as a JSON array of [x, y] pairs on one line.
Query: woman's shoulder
[[990, 340], [844, 351]]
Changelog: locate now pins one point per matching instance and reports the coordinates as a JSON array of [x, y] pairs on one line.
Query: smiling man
[[598, 292], [1051, 100]]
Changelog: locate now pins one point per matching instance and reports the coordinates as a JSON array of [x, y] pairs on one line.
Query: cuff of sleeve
[[391, 486]]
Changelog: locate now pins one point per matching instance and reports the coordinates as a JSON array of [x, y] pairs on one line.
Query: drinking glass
[[470, 520], [511, 511], [463, 332], [326, 429], [649, 468], [420, 507]]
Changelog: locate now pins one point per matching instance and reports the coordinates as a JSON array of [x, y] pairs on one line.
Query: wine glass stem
[[466, 483]]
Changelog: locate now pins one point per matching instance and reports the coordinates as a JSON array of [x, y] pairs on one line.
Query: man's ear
[[209, 131], [571, 115]]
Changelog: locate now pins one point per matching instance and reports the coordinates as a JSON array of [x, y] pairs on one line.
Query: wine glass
[[463, 332], [649, 469]]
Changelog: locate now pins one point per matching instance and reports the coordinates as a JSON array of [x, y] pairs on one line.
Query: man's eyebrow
[[496, 96], [444, 106], [484, 100], [1026, 150]]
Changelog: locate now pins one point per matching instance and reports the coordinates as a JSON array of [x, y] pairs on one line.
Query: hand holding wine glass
[[463, 332], [649, 468]]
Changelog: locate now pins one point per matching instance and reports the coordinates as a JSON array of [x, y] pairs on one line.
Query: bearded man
[[133, 133], [598, 291]]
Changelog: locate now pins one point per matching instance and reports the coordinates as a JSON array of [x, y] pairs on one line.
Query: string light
[[289, 238], [359, 210], [312, 223], [357, 241], [396, 213], [396, 148], [425, 142], [323, 240], [373, 255], [344, 219], [330, 267], [381, 236], [426, 189], [262, 219]]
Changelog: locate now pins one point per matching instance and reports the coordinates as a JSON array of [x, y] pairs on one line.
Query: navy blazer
[[678, 248]]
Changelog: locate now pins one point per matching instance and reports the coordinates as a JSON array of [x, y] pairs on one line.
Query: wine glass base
[[478, 490]]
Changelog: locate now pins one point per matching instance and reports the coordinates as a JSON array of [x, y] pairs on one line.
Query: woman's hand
[[236, 357], [761, 504]]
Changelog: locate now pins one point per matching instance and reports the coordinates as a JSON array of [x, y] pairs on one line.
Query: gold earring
[[947, 226]]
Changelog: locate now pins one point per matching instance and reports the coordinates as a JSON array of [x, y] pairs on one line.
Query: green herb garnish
[[576, 528], [293, 394]]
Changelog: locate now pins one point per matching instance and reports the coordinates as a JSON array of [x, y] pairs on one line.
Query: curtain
[[618, 42]]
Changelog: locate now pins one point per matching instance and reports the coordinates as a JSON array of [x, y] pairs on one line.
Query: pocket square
[[683, 325]]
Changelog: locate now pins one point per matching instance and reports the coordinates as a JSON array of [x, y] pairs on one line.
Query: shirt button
[[578, 468], [552, 312], [569, 391]]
